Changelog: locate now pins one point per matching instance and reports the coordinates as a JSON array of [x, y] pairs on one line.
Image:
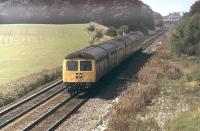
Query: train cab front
[[78, 74]]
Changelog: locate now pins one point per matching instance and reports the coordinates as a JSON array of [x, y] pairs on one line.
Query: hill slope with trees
[[133, 13]]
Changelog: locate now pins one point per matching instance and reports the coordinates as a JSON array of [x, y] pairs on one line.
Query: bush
[[186, 40], [98, 35], [195, 8], [5, 99], [91, 28], [111, 32], [194, 76], [173, 73]]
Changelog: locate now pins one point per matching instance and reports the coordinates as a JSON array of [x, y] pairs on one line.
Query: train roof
[[94, 52], [102, 50], [79, 54]]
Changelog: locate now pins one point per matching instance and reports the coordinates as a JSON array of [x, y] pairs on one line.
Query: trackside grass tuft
[[188, 121]]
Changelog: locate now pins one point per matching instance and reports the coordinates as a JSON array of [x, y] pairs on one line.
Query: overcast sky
[[167, 6]]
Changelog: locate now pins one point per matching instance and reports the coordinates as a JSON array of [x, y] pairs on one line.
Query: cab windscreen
[[86, 65], [72, 65]]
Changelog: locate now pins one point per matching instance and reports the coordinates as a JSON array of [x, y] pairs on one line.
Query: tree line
[[186, 39], [134, 13]]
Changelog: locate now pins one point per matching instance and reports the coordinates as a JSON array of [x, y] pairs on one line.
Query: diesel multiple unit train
[[83, 68]]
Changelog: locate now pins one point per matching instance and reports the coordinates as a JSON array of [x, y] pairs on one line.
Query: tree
[[133, 13], [91, 28], [158, 20], [195, 8], [111, 32], [186, 40], [98, 35]]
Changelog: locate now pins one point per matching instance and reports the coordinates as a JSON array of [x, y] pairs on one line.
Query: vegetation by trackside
[[185, 93], [140, 94], [15, 89], [98, 33], [174, 84], [186, 38]]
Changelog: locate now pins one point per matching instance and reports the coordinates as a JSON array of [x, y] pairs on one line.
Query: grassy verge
[[15, 89], [137, 96], [188, 121], [173, 83], [185, 91]]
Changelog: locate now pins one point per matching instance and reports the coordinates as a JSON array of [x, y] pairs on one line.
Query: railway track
[[153, 39], [54, 117], [49, 120], [15, 111], [57, 115]]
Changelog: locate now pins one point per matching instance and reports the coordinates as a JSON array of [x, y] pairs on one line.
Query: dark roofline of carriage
[[104, 48]]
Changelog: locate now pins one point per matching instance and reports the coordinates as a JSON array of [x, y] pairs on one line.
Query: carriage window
[[86, 65], [72, 65]]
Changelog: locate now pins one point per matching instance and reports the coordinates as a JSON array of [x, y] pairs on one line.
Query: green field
[[27, 49]]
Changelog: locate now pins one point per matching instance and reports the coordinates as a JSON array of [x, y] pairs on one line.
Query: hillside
[[109, 12]]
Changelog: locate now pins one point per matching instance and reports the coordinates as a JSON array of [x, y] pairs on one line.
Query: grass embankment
[[26, 50], [15, 89], [185, 91], [138, 95], [176, 81]]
